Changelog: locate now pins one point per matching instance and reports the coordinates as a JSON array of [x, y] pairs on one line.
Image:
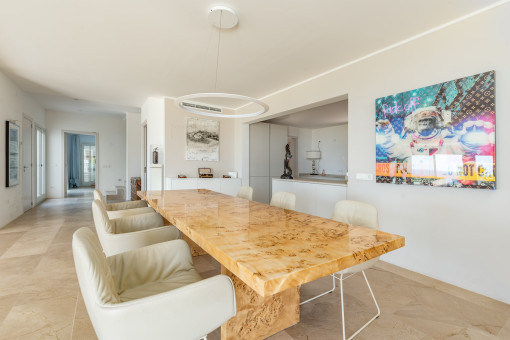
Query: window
[[88, 152]]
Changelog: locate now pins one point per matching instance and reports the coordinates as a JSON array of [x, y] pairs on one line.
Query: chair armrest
[[189, 312], [119, 243], [149, 264], [125, 205], [138, 222]]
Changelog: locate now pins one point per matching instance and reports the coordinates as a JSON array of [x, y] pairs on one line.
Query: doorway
[[27, 164], [80, 154]]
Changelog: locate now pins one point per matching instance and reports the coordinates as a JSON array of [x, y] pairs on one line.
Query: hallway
[[40, 298]]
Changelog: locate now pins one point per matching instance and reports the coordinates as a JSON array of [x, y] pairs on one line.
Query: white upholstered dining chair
[[122, 209], [152, 292], [130, 232], [359, 214], [285, 200], [245, 192]]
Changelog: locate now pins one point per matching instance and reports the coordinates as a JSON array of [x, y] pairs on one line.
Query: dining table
[[268, 252]]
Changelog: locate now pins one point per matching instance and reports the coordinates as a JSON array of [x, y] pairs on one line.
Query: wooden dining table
[[268, 252]]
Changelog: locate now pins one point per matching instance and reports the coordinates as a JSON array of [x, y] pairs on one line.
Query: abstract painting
[[440, 135], [202, 140]]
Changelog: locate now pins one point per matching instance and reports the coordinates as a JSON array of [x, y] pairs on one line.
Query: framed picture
[[12, 153], [441, 135], [202, 140]]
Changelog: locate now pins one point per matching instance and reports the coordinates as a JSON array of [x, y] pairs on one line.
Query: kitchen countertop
[[328, 179]]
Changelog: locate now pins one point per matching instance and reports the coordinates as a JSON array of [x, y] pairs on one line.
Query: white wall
[[304, 141], [455, 235], [110, 146], [175, 132], [153, 114], [133, 149], [13, 104], [333, 149]]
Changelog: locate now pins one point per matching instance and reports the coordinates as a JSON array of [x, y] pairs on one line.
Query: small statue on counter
[[287, 171]]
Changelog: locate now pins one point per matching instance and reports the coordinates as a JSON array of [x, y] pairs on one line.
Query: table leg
[[260, 317]]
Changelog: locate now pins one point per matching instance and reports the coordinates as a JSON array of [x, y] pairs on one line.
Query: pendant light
[[223, 18]]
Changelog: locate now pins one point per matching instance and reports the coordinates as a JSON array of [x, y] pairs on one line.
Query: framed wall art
[[12, 153], [440, 135], [202, 140]]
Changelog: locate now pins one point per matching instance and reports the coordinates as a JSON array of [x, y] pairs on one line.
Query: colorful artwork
[[440, 135]]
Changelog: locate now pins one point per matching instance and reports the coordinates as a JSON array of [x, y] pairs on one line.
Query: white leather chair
[[359, 214], [245, 192], [122, 209], [285, 200], [130, 232], [152, 292]]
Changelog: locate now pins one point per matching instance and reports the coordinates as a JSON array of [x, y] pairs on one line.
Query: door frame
[[36, 183], [144, 155], [64, 157], [31, 160]]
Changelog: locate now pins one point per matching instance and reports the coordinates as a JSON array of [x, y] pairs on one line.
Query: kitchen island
[[315, 195]]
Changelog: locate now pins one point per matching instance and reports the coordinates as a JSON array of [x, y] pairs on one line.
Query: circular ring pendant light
[[221, 17]]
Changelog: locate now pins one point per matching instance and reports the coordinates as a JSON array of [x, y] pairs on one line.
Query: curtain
[[73, 160]]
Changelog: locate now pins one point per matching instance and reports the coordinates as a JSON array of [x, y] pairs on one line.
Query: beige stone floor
[[40, 298]]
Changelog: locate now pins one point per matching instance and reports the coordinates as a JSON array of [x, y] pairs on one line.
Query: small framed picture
[[12, 154]]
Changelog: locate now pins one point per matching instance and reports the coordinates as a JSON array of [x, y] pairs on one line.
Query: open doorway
[[81, 164]]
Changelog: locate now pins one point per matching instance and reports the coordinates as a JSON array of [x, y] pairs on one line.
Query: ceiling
[[315, 118], [111, 55]]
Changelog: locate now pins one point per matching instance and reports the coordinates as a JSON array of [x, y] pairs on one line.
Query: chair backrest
[[94, 275], [99, 196], [101, 219], [245, 192], [356, 213], [285, 200]]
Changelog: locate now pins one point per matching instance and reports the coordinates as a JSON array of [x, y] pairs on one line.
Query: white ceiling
[[117, 53], [315, 118]]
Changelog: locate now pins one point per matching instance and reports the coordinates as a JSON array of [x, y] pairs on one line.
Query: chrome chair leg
[[342, 302], [322, 294]]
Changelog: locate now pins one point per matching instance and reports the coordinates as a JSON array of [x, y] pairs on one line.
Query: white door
[[27, 163], [41, 162]]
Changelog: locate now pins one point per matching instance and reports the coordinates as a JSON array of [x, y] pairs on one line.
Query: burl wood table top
[[270, 249]]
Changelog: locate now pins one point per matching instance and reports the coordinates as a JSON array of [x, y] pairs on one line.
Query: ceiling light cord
[[218, 54], [203, 108]]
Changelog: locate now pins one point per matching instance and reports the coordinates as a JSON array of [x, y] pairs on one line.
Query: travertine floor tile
[[6, 303], [33, 242], [16, 273], [43, 319], [82, 328], [464, 294]]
